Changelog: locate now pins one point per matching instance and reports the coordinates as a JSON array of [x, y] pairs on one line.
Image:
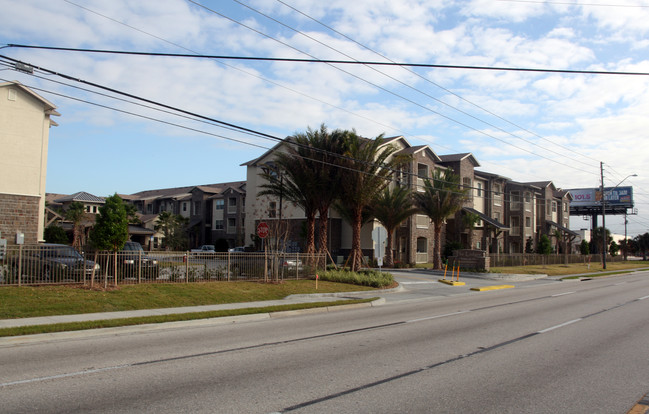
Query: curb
[[152, 327], [497, 287], [641, 407], [451, 282]]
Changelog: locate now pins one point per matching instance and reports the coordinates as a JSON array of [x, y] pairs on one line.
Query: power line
[[575, 4], [331, 61]]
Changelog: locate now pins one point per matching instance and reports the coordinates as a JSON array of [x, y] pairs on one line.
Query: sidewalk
[[84, 317]]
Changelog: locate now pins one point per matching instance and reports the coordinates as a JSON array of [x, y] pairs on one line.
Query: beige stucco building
[[25, 121]]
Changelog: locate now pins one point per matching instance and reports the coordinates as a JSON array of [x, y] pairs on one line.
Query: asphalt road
[[543, 347]]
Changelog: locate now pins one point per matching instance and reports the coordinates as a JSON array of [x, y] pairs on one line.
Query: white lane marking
[[621, 283], [70, 374], [437, 316], [561, 294], [559, 326], [644, 297]]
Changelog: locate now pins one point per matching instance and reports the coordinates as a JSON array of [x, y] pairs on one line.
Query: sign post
[[379, 236]]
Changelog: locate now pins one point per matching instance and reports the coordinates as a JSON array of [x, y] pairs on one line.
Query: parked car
[[239, 249], [206, 248], [133, 259], [50, 262]]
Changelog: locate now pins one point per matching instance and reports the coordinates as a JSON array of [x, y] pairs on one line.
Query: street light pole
[[601, 169]]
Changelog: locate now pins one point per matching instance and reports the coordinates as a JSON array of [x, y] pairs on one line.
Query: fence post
[[228, 268], [139, 267], [20, 264], [187, 267]]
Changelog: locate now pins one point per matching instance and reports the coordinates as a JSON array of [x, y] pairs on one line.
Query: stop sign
[[262, 230]]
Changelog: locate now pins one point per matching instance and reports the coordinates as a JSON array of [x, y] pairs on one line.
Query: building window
[[422, 250], [220, 204], [554, 206], [232, 205], [466, 182], [197, 208], [497, 216], [422, 221], [497, 195], [218, 225], [232, 225], [185, 206], [515, 203], [272, 209], [479, 189], [528, 221], [548, 209], [515, 226]]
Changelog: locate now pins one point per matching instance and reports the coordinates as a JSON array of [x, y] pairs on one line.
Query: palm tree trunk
[[389, 260], [437, 249], [323, 229], [356, 253]]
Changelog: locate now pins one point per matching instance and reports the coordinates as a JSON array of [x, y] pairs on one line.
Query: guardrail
[[43, 264]]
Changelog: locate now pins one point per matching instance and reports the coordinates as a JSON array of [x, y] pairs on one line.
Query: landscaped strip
[[111, 323], [496, 287]]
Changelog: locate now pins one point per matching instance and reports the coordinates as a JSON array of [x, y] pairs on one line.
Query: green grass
[[371, 278], [31, 301], [571, 269], [109, 323]]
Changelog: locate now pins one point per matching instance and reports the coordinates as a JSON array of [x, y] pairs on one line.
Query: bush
[[372, 278]]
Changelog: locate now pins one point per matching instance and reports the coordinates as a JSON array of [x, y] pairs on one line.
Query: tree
[[55, 234], [545, 245], [111, 228], [391, 208], [596, 243], [442, 197], [365, 171], [174, 229], [584, 247], [613, 248], [76, 213], [529, 245]]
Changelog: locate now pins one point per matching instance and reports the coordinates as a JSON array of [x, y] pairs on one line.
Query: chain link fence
[[58, 264]]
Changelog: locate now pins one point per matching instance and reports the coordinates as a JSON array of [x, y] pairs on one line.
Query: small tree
[[111, 230], [584, 247], [76, 213], [529, 245], [55, 234], [545, 246], [614, 248]]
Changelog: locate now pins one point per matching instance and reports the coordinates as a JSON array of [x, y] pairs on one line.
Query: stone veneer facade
[[18, 213]]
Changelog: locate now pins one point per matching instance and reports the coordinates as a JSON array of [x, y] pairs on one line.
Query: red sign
[[262, 230]]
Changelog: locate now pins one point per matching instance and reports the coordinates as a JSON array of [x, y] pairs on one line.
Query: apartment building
[[214, 211], [25, 121]]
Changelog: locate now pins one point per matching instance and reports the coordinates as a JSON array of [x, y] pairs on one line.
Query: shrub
[[372, 278]]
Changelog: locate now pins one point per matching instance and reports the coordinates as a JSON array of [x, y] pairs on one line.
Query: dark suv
[[52, 263]]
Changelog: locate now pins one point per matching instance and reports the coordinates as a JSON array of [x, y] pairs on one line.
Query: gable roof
[[81, 196], [49, 107], [460, 157], [182, 192]]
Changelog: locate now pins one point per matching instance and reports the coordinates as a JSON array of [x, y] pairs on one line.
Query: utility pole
[[601, 168]]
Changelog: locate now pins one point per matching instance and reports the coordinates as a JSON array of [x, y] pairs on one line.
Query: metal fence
[[529, 259], [47, 264]]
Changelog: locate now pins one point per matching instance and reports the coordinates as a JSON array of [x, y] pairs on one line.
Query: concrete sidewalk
[[84, 317]]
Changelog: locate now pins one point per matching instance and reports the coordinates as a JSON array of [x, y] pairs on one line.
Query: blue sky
[[526, 126]]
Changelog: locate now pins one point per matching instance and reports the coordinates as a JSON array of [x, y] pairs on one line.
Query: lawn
[[30, 301], [572, 269]]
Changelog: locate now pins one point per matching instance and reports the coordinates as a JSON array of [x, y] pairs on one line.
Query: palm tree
[[442, 197], [75, 213], [391, 208], [306, 175], [365, 173]]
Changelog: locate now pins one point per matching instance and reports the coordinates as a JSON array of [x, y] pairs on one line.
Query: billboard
[[616, 197]]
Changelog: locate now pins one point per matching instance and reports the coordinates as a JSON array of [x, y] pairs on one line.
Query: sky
[[527, 126]]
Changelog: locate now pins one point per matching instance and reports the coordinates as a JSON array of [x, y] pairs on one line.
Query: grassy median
[[594, 269]]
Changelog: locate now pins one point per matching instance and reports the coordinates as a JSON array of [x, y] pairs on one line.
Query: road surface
[[562, 347]]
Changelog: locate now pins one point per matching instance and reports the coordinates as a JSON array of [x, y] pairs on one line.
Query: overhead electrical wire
[[328, 61], [439, 86], [385, 90]]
